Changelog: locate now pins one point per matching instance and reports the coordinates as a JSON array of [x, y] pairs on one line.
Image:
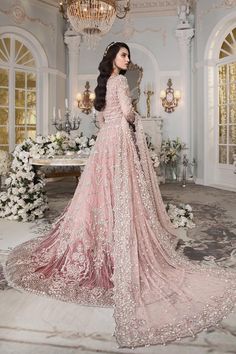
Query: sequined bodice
[[118, 101]]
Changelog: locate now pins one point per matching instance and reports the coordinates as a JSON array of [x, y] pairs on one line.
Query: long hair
[[105, 68]]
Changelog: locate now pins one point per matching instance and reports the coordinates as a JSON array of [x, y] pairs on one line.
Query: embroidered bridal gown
[[115, 246]]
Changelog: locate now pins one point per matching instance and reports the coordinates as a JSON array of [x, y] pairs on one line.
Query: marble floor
[[32, 324]]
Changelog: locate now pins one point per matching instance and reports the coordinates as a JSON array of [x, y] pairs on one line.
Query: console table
[[61, 166]]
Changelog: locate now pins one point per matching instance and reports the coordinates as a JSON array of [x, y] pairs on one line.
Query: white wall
[[154, 47]]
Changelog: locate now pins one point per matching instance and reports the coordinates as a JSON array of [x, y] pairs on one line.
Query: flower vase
[[171, 173], [174, 173]]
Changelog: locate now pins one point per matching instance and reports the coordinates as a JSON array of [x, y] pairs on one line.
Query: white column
[[73, 42], [184, 37]]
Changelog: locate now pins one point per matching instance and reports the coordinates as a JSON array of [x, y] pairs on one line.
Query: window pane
[[23, 56], [20, 79], [232, 151], [31, 81], [222, 154], [222, 55], [232, 114], [232, 72], [20, 134], [222, 114], [232, 134], [31, 116], [222, 95], [227, 48], [5, 49], [20, 98], [20, 116], [232, 93], [3, 116], [223, 134], [3, 77], [222, 74], [3, 135], [31, 99], [31, 132], [3, 96], [229, 39]]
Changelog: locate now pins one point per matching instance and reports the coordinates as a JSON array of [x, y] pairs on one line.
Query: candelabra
[[95, 122], [68, 124], [170, 98], [148, 93]]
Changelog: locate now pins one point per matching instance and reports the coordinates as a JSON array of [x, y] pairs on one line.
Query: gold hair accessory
[[107, 48]]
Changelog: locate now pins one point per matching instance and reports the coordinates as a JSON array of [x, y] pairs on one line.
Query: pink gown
[[114, 245]]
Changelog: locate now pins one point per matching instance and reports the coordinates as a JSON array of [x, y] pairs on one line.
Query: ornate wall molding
[[184, 36], [217, 5], [128, 31], [158, 7], [18, 15]]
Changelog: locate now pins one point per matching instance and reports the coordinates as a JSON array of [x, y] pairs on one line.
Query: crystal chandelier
[[92, 18]]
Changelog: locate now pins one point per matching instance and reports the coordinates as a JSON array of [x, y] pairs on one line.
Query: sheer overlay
[[114, 244]]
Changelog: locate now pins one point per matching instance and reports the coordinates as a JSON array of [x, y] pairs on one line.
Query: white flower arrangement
[[152, 151], [4, 162], [170, 151], [180, 216], [25, 198]]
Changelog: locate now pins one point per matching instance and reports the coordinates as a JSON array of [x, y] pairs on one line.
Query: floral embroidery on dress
[[114, 244]]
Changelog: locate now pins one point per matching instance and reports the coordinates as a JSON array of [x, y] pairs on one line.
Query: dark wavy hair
[[105, 68]]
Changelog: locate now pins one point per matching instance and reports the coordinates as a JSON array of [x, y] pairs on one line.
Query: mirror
[[134, 76]]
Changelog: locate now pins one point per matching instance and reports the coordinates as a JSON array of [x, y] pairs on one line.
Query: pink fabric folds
[[115, 246]]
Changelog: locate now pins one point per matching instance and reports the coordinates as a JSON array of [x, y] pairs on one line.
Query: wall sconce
[[170, 98], [85, 100]]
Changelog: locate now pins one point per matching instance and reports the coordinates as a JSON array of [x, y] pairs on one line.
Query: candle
[[66, 103], [54, 113], [59, 113], [79, 96]]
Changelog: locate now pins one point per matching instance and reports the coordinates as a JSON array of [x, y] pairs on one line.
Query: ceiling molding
[[148, 7]]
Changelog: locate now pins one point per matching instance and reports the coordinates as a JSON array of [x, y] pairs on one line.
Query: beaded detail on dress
[[114, 244]]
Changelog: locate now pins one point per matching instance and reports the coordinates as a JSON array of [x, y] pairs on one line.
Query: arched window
[[18, 92], [227, 99]]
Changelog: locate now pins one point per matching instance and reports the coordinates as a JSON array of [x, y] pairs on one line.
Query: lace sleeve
[[125, 99], [100, 118]]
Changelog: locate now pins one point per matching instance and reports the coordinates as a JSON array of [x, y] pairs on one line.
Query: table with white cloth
[[60, 166]]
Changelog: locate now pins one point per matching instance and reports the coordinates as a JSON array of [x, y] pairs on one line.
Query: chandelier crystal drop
[[92, 18]]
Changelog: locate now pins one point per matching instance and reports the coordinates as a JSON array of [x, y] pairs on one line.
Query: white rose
[[7, 181], [39, 139], [22, 190], [188, 207], [3, 197], [21, 203], [14, 191], [91, 142]]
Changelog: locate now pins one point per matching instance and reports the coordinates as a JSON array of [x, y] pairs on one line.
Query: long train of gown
[[114, 245]]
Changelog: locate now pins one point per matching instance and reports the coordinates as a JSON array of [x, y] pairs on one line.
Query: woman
[[114, 244]]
